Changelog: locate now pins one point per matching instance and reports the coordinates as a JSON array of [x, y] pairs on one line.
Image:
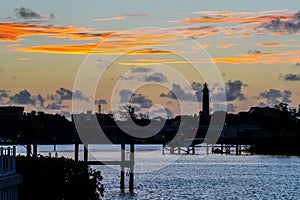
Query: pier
[[207, 148], [123, 163]]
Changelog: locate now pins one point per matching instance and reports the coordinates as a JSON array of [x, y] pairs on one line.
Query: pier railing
[[7, 161]]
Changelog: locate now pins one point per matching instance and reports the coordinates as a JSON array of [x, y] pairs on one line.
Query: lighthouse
[[205, 100]]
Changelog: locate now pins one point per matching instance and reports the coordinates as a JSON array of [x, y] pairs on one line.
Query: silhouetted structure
[[8, 177], [10, 121], [205, 100]]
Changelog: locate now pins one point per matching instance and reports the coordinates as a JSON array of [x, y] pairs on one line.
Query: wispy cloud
[[230, 13], [291, 56], [24, 59], [92, 48], [143, 62], [226, 45], [122, 17], [15, 31], [110, 18], [270, 45], [233, 19]]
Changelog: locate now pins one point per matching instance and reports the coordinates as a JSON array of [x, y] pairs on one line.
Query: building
[[10, 121], [8, 177], [11, 112]]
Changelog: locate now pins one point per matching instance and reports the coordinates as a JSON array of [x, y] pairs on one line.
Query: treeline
[[280, 127]]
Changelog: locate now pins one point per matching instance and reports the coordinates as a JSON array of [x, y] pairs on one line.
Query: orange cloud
[[112, 47], [14, 32], [265, 58], [270, 45], [233, 19], [24, 59], [143, 62], [247, 34], [225, 45], [229, 13]]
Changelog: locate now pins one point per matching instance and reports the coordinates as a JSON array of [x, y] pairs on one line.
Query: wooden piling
[[122, 178], [76, 152], [131, 172], [193, 149], [222, 149], [85, 153], [34, 150], [28, 150], [171, 149]]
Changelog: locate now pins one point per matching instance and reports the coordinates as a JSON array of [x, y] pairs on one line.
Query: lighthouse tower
[[205, 100]]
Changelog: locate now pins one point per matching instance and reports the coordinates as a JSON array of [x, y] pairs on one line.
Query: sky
[[61, 58]]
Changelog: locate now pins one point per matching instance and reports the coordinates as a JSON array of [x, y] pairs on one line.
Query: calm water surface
[[198, 177]]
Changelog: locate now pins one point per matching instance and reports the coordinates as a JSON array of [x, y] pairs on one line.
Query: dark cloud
[[198, 88], [39, 99], [27, 13], [133, 98], [290, 77], [156, 77], [100, 101], [128, 78], [66, 94], [286, 96], [274, 96], [170, 95], [4, 94], [55, 106], [52, 101], [277, 25], [26, 98], [255, 51], [179, 93], [234, 90], [125, 95], [231, 107], [141, 100], [169, 113], [78, 95], [23, 97], [140, 70]]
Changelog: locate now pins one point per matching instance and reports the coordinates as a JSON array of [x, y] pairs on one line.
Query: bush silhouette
[[46, 178]]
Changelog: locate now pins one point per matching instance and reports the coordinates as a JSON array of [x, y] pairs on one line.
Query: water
[[198, 177]]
